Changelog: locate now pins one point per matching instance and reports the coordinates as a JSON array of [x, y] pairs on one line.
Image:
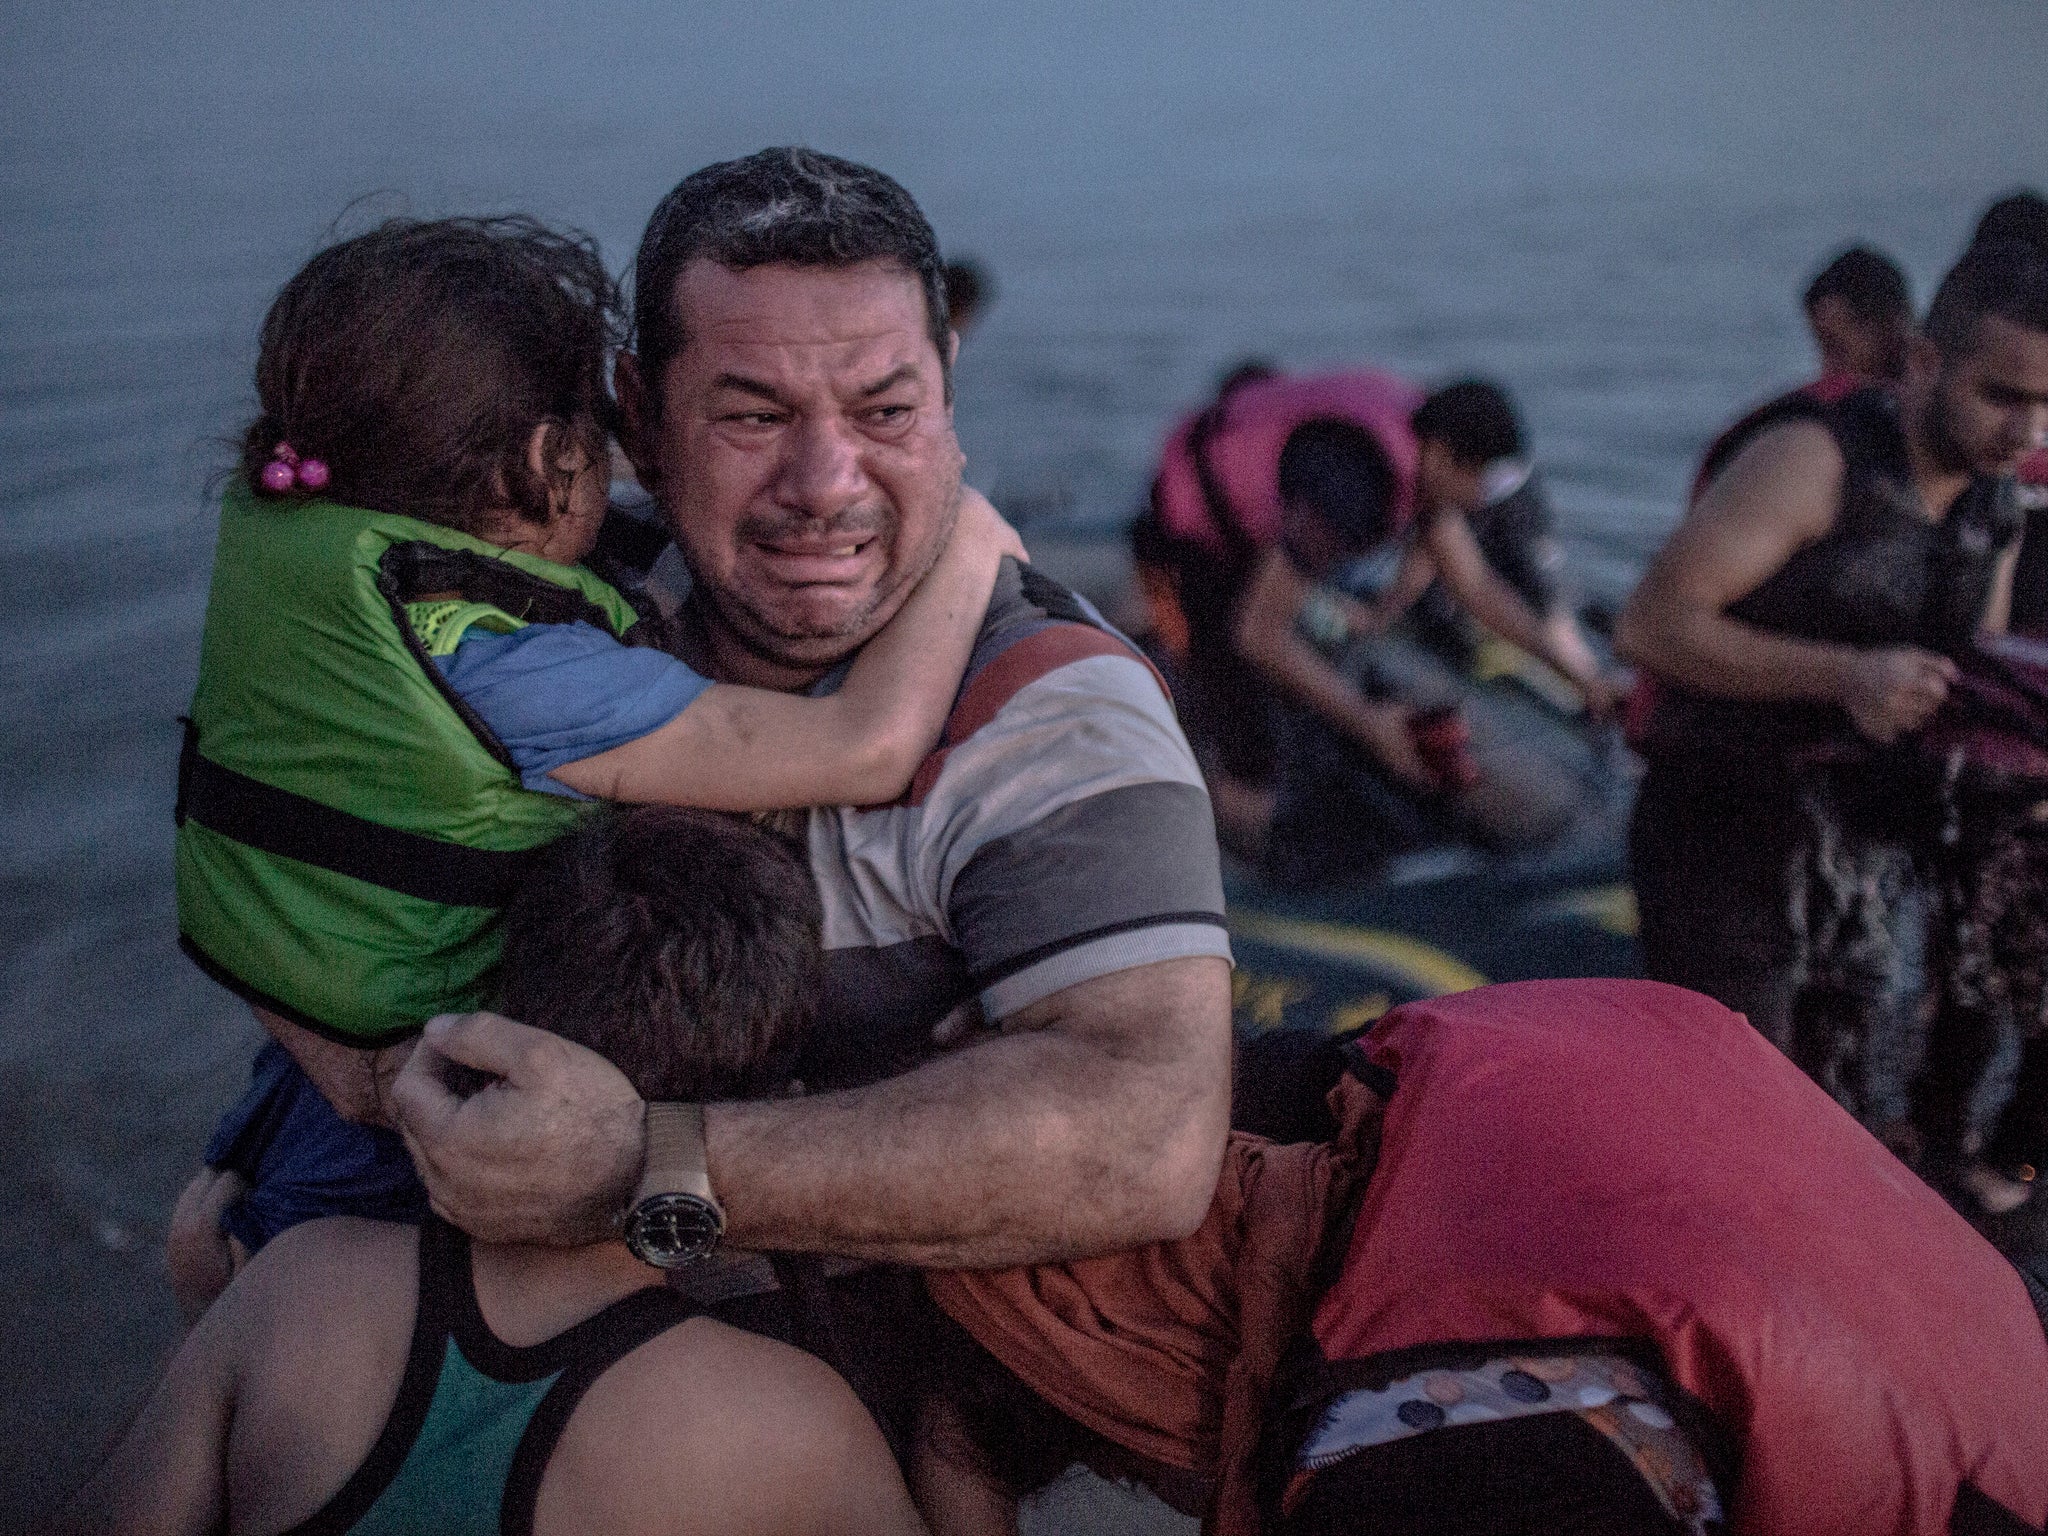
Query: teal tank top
[[476, 1419]]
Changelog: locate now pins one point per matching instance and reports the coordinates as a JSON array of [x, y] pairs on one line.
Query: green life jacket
[[348, 829]]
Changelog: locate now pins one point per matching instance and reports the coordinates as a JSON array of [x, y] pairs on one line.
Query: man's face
[[803, 452], [1868, 348], [1984, 409]]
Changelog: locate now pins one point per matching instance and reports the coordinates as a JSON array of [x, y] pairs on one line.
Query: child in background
[[409, 683]]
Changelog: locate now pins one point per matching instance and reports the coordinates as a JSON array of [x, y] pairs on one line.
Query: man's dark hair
[[2021, 216], [1337, 473], [779, 207], [1474, 418], [1868, 282], [416, 359], [2005, 278], [968, 288], [680, 945]]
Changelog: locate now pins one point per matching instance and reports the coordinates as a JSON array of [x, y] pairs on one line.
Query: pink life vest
[[1619, 1159], [1243, 452]]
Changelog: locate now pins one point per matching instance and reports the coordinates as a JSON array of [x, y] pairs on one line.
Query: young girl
[[409, 683]]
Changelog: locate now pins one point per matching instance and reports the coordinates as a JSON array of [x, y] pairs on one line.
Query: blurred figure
[[2015, 1133], [970, 292], [1475, 471], [1860, 311], [1861, 315], [1805, 614], [2023, 217], [1261, 498]]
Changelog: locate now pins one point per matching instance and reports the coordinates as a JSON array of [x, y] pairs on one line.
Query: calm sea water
[[1612, 210]]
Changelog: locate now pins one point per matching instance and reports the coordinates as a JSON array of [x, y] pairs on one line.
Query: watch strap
[[676, 1159]]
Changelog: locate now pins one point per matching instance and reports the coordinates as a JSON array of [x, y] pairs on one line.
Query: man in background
[[1807, 610]]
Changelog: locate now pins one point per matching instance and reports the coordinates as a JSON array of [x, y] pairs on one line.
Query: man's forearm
[[1099, 1127], [1725, 658]]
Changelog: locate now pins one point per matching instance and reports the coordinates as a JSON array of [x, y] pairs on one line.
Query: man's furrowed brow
[[902, 375], [759, 389]]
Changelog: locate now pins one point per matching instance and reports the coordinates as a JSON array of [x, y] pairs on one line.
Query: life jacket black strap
[[413, 571], [290, 826]]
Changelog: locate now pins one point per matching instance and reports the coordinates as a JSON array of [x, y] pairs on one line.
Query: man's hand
[[1894, 690], [550, 1152]]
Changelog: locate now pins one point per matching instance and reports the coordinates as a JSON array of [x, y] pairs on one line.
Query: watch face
[[673, 1229]]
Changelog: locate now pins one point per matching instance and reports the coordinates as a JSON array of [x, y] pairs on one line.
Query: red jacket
[[1627, 1159]]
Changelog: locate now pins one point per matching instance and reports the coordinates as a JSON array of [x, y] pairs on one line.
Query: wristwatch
[[674, 1219]]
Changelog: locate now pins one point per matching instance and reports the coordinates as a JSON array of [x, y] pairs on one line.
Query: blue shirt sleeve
[[558, 693]]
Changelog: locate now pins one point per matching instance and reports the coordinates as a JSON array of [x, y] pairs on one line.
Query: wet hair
[[968, 288], [1868, 282], [2005, 278], [794, 207], [681, 945], [1337, 473], [1473, 418], [2021, 216], [416, 360]]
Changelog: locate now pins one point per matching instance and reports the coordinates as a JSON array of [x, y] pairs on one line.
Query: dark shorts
[[302, 1161]]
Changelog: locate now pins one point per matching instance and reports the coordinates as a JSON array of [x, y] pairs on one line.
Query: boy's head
[[1861, 314], [682, 946], [1460, 430], [1336, 493], [429, 362]]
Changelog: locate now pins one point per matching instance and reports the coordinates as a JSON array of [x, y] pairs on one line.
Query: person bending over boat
[[1805, 614], [1046, 898], [1475, 467], [372, 1377], [408, 680], [1260, 498], [1528, 1286]]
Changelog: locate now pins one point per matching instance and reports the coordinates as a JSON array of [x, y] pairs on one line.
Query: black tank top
[[1885, 574]]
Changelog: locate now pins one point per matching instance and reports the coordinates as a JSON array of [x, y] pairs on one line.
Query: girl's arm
[[753, 749]]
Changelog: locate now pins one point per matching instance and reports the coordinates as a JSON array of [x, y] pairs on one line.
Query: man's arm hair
[[1095, 1121], [167, 1473], [1781, 493]]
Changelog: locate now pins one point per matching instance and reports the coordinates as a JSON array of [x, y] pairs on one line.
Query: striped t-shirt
[[1060, 832]]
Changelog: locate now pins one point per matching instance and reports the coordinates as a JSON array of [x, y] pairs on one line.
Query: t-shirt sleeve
[[558, 693], [1074, 836]]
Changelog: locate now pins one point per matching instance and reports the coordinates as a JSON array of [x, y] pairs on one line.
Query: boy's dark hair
[[1337, 473], [2005, 278], [1473, 418], [1868, 282], [416, 360], [789, 206], [680, 945], [968, 287], [2021, 216]]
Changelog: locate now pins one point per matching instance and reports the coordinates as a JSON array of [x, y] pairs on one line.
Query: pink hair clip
[[286, 470]]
